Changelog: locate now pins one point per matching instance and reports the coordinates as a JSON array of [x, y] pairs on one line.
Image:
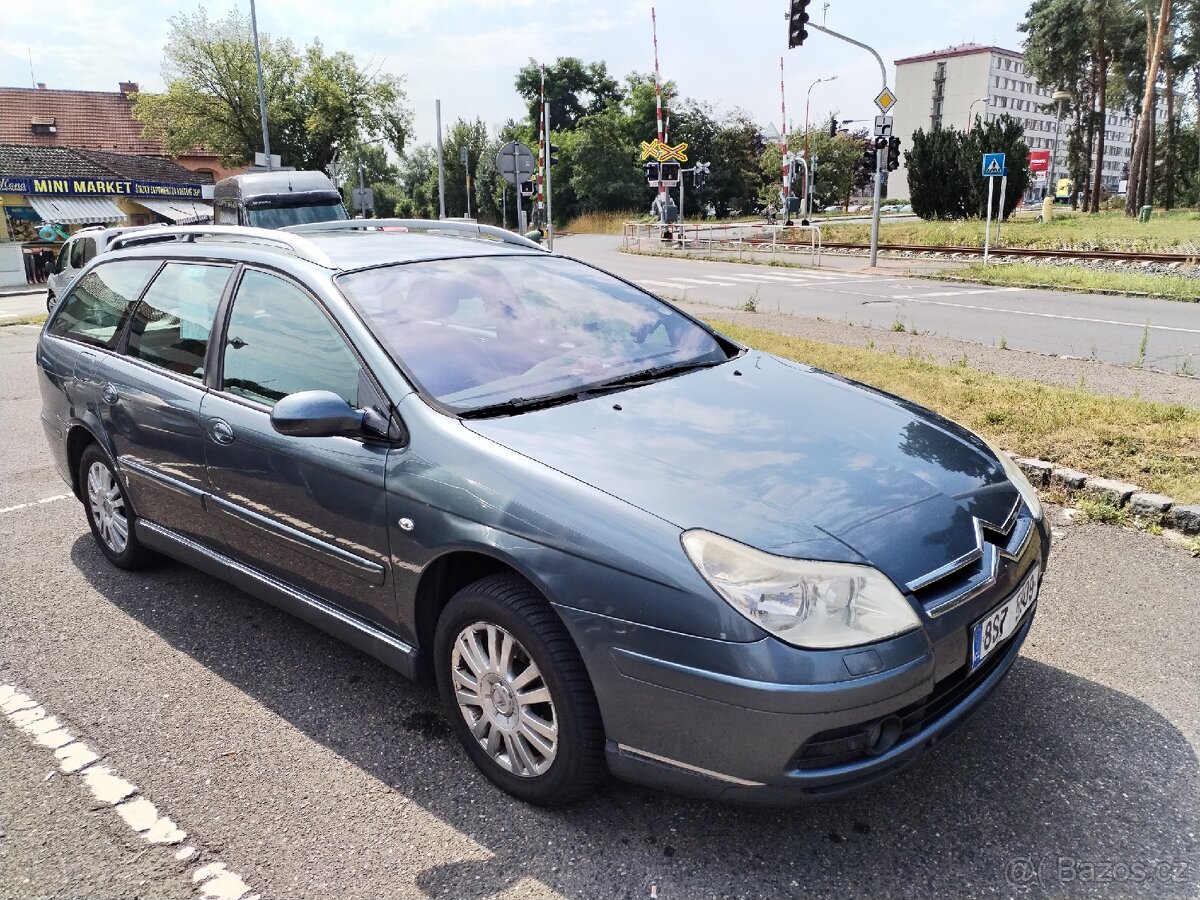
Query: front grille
[[962, 584], [851, 743]]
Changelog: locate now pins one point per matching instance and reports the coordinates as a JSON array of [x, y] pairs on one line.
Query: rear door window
[[279, 341], [77, 253], [171, 325], [96, 310]]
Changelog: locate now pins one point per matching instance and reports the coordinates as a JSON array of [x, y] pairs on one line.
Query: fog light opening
[[882, 736]]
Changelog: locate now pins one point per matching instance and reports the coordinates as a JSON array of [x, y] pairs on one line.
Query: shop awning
[[181, 212], [77, 210]]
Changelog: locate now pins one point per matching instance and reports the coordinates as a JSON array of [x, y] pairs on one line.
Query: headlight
[[818, 605], [1020, 482]]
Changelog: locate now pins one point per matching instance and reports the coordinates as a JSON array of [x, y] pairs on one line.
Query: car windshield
[[483, 332], [280, 216]]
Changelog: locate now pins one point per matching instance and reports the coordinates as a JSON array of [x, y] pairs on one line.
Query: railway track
[[1109, 255]]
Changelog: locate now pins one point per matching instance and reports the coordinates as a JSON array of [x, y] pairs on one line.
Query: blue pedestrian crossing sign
[[993, 165]]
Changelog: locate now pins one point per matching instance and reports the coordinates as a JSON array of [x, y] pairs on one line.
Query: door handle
[[110, 394], [220, 431]]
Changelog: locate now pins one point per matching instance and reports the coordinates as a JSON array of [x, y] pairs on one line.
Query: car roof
[[337, 247], [356, 250]]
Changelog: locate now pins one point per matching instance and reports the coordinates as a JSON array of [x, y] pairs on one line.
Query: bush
[[944, 174]]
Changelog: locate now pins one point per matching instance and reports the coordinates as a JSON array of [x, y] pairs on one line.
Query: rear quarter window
[[96, 309]]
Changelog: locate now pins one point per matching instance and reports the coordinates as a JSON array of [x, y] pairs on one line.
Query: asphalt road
[[843, 290], [18, 305], [308, 770]]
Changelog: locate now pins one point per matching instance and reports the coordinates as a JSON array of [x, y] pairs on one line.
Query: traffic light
[[869, 155], [893, 157], [670, 171], [833, 126], [526, 189], [552, 154], [700, 173], [797, 19], [651, 170]]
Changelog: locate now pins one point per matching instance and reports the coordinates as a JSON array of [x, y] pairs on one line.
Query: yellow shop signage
[[23, 184]]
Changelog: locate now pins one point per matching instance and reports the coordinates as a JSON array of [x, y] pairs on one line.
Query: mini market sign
[[82, 187]]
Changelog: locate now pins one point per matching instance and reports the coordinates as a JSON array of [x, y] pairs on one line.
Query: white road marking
[[706, 281], [763, 279], [665, 284], [219, 883], [214, 881], [1041, 315], [56, 497]]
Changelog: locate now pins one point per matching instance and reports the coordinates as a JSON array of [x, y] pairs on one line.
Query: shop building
[[48, 193], [90, 120]]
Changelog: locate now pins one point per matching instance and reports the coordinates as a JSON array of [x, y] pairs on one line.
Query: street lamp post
[[262, 94], [1060, 98], [971, 111], [807, 180]]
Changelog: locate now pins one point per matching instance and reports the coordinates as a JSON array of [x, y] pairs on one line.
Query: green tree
[[737, 179], [573, 90], [606, 174], [418, 183], [1004, 135], [939, 185], [315, 101]]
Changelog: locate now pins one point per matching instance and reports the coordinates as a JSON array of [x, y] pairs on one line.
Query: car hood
[[782, 457]]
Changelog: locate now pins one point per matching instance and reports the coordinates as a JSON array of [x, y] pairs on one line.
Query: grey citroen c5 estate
[[617, 540]]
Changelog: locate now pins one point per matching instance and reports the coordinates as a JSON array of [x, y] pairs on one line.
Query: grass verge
[[35, 319], [1071, 278], [1155, 445], [1166, 232]]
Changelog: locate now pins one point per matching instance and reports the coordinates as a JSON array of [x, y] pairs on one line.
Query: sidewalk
[[19, 290]]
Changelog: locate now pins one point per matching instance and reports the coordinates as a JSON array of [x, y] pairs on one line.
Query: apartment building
[[950, 87]]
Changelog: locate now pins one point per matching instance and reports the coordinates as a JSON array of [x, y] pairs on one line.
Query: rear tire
[[109, 514], [517, 694]]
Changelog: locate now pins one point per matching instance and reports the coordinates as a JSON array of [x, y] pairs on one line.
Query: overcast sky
[[467, 52]]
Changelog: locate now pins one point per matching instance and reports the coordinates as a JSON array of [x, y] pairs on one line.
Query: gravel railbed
[[1094, 376]]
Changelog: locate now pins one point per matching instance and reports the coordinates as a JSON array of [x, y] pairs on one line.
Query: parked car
[[76, 252], [617, 540]]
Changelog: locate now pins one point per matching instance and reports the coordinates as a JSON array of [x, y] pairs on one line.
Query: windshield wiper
[[520, 405], [646, 376], [634, 379]]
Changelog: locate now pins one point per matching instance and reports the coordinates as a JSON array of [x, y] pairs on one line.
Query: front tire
[[517, 694], [109, 514], [50, 301]]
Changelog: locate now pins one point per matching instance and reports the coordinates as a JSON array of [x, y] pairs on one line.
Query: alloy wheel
[[504, 699], [108, 507]]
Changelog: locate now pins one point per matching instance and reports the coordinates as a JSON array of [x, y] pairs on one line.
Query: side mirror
[[316, 414]]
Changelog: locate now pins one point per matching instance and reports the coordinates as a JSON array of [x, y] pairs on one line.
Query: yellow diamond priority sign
[[886, 100]]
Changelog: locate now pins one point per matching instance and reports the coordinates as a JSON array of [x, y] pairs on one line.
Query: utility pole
[[549, 190], [878, 156], [262, 94], [362, 190], [437, 106]]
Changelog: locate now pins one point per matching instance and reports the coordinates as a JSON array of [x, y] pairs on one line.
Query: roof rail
[[459, 229], [300, 247]]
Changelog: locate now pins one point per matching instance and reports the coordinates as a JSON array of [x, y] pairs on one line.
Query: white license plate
[[999, 625]]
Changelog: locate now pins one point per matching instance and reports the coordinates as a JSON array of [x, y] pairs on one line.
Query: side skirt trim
[[369, 638]]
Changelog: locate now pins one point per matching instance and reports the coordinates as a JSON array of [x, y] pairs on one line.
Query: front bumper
[[740, 721]]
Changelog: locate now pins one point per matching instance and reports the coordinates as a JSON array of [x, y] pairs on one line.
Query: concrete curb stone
[[1115, 492], [1158, 509]]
